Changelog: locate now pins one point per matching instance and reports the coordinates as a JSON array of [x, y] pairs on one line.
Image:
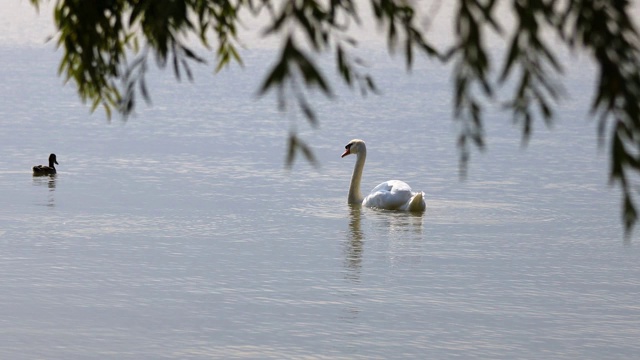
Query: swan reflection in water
[[354, 244], [397, 234], [50, 182], [353, 251], [405, 237]]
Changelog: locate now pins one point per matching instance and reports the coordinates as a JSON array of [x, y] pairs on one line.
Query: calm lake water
[[179, 234]]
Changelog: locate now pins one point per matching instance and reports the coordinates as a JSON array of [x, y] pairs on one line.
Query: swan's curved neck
[[355, 196]]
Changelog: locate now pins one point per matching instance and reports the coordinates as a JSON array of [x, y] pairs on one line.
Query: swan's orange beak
[[346, 152]]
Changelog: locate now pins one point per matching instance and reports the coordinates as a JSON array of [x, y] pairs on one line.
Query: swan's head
[[52, 159], [353, 147]]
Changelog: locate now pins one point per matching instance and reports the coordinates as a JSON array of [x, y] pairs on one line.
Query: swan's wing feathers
[[399, 186], [392, 186], [390, 195], [381, 187]]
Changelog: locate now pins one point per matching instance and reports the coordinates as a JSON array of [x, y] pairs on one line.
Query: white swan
[[390, 195]]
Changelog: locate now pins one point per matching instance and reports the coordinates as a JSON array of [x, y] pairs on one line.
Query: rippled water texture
[[179, 234]]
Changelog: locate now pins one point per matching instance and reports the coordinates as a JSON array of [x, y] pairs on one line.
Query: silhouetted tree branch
[[106, 45]]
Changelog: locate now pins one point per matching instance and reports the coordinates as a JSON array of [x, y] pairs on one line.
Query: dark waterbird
[[46, 170]]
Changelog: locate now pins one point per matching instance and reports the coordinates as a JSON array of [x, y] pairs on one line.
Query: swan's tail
[[417, 202]]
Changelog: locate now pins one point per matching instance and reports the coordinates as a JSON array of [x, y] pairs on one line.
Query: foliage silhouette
[[106, 45]]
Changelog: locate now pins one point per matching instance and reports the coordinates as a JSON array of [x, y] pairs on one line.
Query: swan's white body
[[389, 195]]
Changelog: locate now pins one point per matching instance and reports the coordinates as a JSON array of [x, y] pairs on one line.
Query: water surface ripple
[[180, 234]]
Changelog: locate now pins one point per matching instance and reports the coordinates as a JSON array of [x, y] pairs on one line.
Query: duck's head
[[353, 147], [53, 160]]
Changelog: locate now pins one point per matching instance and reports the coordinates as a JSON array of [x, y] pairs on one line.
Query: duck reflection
[[50, 182]]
